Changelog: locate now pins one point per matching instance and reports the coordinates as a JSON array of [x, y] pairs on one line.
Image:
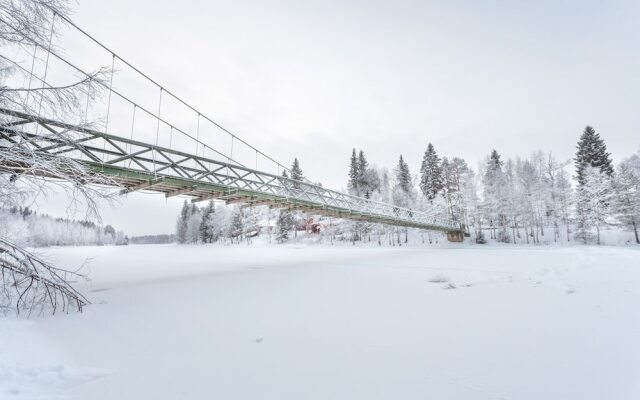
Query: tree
[[455, 175], [592, 152], [494, 199], [352, 185], [285, 223], [182, 224], [236, 228], [193, 224], [627, 190], [206, 228], [373, 182], [593, 203], [431, 174], [363, 181], [403, 177], [27, 25], [564, 194], [110, 230], [296, 173]]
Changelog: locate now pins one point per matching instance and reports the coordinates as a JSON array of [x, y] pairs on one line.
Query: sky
[[314, 79]]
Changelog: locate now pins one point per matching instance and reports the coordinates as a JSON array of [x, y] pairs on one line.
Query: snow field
[[322, 322]]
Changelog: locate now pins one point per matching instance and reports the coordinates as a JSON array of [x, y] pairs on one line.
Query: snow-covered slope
[[321, 322]]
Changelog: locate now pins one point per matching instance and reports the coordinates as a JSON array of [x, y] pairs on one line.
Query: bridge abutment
[[455, 236]]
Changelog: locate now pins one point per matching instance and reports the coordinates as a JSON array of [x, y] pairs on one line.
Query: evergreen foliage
[[296, 173], [431, 180], [592, 152]]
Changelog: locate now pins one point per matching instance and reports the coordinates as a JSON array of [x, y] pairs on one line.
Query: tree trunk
[[635, 230]]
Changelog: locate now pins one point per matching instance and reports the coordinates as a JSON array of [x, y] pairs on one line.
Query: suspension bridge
[[146, 138]]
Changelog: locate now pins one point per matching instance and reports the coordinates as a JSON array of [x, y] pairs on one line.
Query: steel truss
[[136, 165]]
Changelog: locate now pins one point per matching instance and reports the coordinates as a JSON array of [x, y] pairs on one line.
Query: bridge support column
[[455, 236]]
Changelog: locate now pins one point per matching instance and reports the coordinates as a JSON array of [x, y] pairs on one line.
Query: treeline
[[517, 200], [23, 225], [153, 239], [538, 199]]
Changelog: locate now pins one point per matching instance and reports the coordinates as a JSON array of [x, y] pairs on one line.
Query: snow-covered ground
[[320, 322]]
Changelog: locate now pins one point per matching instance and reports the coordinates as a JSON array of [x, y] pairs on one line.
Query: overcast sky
[[315, 79]]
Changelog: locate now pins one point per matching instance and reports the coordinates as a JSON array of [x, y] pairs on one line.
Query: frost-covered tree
[[627, 193], [220, 222], [494, 199], [251, 221], [564, 198], [593, 202], [364, 180], [236, 226], [455, 174], [284, 224], [182, 223], [193, 224], [352, 184], [385, 186], [27, 281], [431, 180]]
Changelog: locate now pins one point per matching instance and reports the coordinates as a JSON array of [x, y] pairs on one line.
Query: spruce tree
[[296, 173], [363, 181], [592, 152], [431, 181], [403, 176], [353, 174]]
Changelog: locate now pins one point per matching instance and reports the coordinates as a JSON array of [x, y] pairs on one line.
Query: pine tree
[[431, 182], [352, 185], [592, 152]]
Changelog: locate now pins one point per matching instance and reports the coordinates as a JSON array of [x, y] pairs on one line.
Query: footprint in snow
[[449, 286], [259, 339]]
